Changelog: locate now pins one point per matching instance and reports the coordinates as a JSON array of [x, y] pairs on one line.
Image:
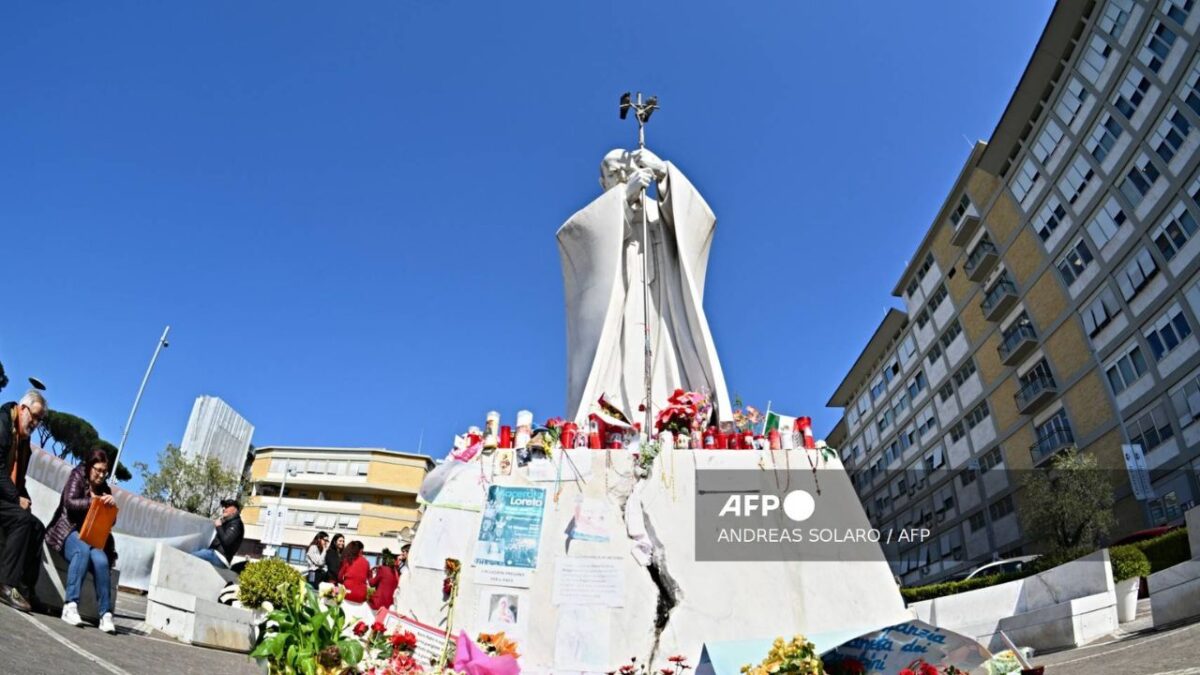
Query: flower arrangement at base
[[797, 657], [496, 644], [303, 635], [388, 654], [678, 665], [451, 579]]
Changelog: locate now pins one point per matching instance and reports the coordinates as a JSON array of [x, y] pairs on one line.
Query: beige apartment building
[[1053, 302], [368, 494]]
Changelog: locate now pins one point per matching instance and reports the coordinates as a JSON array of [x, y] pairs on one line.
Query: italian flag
[[783, 423]]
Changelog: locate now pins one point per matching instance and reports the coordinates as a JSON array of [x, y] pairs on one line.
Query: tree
[[196, 485], [72, 438], [1070, 504]]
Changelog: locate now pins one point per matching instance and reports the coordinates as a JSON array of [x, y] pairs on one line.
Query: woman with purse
[[314, 558], [87, 481]]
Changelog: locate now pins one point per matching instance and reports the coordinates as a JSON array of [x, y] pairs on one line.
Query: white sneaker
[[70, 614], [106, 623]]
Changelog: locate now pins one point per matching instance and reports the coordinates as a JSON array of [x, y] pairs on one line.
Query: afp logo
[[797, 505]]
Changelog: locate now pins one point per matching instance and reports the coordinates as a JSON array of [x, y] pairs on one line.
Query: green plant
[[1068, 505], [267, 580], [645, 458], [1167, 550], [302, 636], [1128, 562], [931, 591]]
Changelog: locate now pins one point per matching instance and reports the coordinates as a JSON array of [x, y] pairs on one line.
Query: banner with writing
[[906, 645]]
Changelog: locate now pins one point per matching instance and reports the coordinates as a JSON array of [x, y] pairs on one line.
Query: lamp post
[[269, 549], [162, 342]]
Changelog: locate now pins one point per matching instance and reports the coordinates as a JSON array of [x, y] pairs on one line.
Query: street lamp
[[162, 342]]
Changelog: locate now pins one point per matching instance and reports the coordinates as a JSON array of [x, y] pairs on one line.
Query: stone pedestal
[[671, 606]]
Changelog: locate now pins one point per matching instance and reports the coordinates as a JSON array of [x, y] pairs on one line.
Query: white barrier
[[1175, 591]]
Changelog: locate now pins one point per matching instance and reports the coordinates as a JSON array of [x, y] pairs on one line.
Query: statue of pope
[[601, 249]]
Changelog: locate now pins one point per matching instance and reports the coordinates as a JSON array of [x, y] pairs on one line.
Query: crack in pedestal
[[669, 592]]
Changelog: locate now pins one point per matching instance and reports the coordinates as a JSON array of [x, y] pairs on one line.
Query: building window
[[877, 388], [884, 421], [1136, 273], [952, 332], [1094, 58], [1025, 180], [1178, 10], [1047, 142], [1038, 375], [935, 353], [1115, 17], [1001, 507], [927, 423], [1170, 134], [1052, 435], [1073, 97], [945, 392], [1076, 178], [1151, 429], [1126, 370], [864, 405], [926, 265], [901, 405], [1167, 332], [967, 476], [977, 521], [922, 318], [939, 294], [1100, 312], [1049, 217], [1139, 180], [957, 433], [890, 372], [911, 288], [963, 374], [1187, 401], [1175, 231], [1190, 91], [1104, 136], [908, 349], [1154, 51], [977, 415], [1073, 264], [1108, 219], [917, 384], [961, 210], [1131, 93], [990, 460]]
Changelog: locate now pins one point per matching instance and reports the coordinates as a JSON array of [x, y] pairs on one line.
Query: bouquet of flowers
[[685, 411], [496, 644], [747, 419]]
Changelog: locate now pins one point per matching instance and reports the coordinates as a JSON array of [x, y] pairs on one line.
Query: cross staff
[[642, 111]]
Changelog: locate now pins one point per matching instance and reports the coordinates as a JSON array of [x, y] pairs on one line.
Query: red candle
[[773, 439], [805, 424], [567, 439], [747, 441], [506, 437], [594, 433], [710, 438]]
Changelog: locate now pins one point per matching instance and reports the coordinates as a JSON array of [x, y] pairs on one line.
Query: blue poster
[[509, 533]]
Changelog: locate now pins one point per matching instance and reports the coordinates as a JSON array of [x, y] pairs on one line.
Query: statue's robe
[[601, 252]]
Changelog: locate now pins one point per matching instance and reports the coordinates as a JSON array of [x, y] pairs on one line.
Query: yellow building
[[368, 494], [1053, 302]]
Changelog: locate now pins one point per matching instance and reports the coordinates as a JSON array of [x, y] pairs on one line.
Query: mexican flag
[[783, 423]]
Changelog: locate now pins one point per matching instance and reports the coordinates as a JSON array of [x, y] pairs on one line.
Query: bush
[[931, 591], [269, 579], [1166, 551], [1128, 562], [1052, 560]]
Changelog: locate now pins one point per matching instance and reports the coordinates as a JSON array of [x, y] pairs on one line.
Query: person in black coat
[[22, 553], [333, 558], [228, 538]]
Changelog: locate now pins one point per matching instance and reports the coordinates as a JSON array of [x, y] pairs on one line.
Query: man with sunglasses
[[23, 532]]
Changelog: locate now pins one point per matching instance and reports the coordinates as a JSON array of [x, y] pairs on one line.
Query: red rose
[[378, 627], [927, 669], [360, 629], [907, 671]]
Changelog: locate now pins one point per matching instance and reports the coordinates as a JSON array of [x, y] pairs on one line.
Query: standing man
[[21, 557], [228, 537]]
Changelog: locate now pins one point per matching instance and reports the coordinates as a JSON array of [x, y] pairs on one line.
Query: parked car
[[1002, 566], [1143, 535]]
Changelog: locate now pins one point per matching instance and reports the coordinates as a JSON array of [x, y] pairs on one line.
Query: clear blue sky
[[347, 214]]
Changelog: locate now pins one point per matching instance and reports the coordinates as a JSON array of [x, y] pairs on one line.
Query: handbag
[[98, 524]]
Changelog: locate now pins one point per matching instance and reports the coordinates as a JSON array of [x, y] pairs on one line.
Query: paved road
[[44, 645]]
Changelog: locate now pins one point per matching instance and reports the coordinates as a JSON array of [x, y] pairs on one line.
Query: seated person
[[228, 537], [86, 481]]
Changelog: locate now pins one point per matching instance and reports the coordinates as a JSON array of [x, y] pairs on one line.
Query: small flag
[[783, 423]]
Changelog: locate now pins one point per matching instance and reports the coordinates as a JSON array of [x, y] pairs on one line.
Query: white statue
[[601, 249]]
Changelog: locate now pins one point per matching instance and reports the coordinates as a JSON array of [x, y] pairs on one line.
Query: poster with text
[[506, 550]]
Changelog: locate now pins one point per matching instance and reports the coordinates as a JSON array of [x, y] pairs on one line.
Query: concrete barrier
[[1067, 606], [182, 603], [1175, 591]]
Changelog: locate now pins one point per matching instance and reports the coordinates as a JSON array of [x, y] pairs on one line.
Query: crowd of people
[[334, 561], [24, 533]]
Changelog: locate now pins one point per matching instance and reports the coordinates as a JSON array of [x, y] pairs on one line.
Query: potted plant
[[1129, 565]]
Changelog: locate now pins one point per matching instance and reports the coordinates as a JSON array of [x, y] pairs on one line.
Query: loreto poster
[[506, 551]]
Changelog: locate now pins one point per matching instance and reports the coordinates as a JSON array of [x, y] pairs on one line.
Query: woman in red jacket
[[354, 572], [384, 580]]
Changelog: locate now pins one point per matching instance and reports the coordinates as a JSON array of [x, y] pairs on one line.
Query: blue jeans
[[79, 557], [212, 558]]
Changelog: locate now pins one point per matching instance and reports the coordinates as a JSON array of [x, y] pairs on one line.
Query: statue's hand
[[648, 160], [639, 180]]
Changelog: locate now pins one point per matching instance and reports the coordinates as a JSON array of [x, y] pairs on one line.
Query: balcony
[[1035, 393], [999, 299], [1051, 444], [1018, 343], [966, 229], [981, 260]]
